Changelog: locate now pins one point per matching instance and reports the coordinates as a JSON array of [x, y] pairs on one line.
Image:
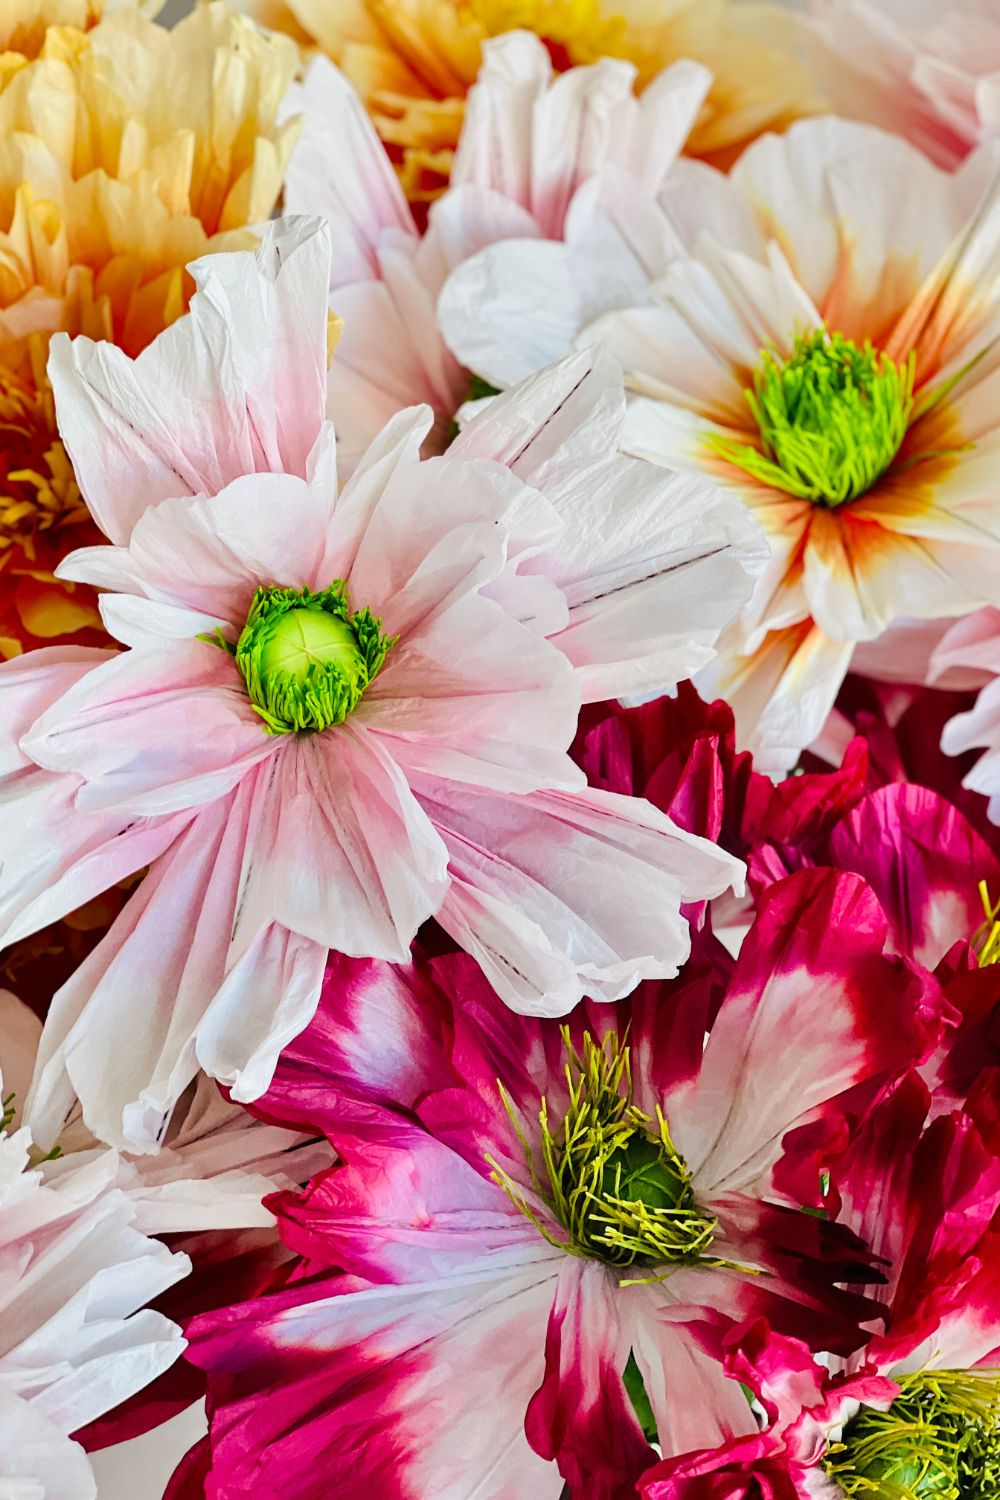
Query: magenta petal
[[581, 1415]]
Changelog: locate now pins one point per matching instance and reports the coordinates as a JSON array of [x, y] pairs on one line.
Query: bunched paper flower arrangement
[[500, 749]]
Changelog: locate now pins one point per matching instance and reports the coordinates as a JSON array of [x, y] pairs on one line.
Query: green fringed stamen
[[939, 1440], [306, 658], [6, 1111], [831, 418], [610, 1173]]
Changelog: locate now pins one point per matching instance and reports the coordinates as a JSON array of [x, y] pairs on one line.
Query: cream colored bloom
[[414, 61], [126, 150]]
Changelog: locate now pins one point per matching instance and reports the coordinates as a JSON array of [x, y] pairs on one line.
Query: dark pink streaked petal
[[815, 1008], [802, 1403], [924, 862], [381, 1035], [581, 1415], [403, 1208], [400, 1393]]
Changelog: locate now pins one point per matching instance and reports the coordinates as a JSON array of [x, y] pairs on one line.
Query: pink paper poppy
[[545, 1222]]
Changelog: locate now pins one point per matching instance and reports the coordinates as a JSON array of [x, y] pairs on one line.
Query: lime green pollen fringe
[[306, 658], [611, 1174], [939, 1440], [831, 418]]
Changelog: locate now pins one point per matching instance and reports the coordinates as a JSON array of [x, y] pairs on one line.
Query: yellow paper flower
[[413, 61], [126, 151]]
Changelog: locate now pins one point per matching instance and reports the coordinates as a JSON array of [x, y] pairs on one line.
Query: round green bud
[[306, 661]]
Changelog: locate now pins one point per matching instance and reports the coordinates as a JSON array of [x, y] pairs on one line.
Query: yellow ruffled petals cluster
[[126, 151], [413, 62]]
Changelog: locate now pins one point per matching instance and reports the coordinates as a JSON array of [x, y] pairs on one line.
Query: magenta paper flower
[[340, 713], [917, 1412], [548, 1219]]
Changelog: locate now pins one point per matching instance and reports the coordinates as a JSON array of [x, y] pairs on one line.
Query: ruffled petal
[[236, 387], [153, 731], [560, 895], [813, 987]]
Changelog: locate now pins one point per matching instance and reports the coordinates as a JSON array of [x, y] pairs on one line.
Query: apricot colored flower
[[126, 150], [817, 331], [414, 61]]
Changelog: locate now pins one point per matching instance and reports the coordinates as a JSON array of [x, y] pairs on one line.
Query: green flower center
[[611, 1174], [940, 1438], [306, 658], [831, 418]]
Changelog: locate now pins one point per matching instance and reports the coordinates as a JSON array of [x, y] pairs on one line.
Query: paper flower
[[567, 1215], [971, 652], [816, 332], [916, 1412], [930, 73], [415, 65], [340, 714], [75, 1274], [127, 151], [531, 142]]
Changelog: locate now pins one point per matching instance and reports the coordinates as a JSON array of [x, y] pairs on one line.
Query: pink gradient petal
[[534, 903], [814, 988], [165, 951], [581, 1415], [210, 399], [153, 731], [212, 554], [34, 682], [344, 855], [71, 856], [317, 1382], [340, 170]]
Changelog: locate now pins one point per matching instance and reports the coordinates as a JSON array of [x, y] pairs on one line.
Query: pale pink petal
[[30, 684], [340, 170], [168, 954], [473, 696], [37, 1459], [390, 356], [344, 854], [153, 731], [71, 855], [560, 895], [236, 387], [211, 555], [434, 534], [651, 565]]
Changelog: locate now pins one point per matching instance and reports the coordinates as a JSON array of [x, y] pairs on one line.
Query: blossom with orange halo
[[414, 61], [126, 151], [820, 333]]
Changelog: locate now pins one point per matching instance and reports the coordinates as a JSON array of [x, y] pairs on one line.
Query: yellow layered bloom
[[126, 150], [413, 61]]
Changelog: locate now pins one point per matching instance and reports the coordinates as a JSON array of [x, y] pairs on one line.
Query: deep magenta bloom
[[479, 1334]]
